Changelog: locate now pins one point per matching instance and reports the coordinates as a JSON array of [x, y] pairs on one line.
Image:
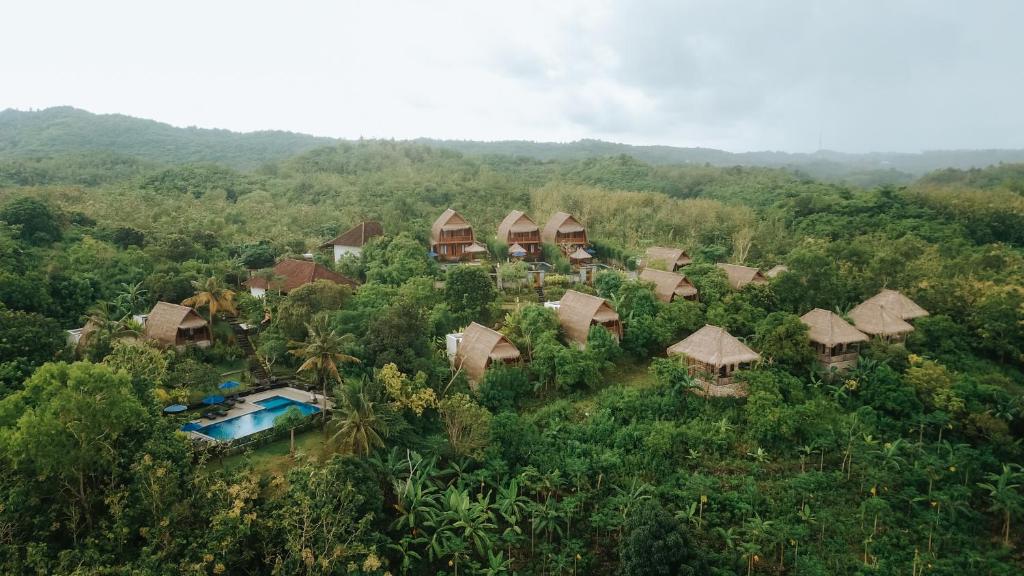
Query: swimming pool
[[257, 421]]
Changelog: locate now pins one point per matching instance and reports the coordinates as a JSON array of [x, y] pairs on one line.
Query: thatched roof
[[357, 235], [876, 320], [475, 248], [516, 222], [668, 284], [828, 328], [516, 249], [480, 344], [560, 222], [898, 304], [448, 221], [577, 311], [669, 258], [295, 273], [740, 276], [713, 346], [580, 254], [165, 319], [776, 270]]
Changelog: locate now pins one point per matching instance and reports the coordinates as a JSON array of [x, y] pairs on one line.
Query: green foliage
[[782, 339], [469, 294], [37, 222], [656, 544]]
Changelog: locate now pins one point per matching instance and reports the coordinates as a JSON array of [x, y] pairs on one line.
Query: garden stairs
[[259, 373]]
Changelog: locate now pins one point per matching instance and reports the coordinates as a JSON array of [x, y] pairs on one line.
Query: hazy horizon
[[793, 76]]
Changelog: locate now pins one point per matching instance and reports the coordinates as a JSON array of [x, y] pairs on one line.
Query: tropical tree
[[322, 351], [362, 421], [1004, 494], [214, 296]]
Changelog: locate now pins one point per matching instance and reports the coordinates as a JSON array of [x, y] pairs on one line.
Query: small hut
[[874, 319], [480, 347], [353, 240], [836, 342], [713, 355], [740, 276], [668, 285], [522, 236], [580, 257], [565, 231], [898, 304], [670, 259], [450, 236], [776, 270], [577, 312], [178, 326], [290, 274]]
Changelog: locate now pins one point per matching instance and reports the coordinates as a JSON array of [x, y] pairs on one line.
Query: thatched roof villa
[[898, 304], [479, 348], [577, 312], [713, 355], [836, 342], [452, 238], [740, 276], [521, 234], [670, 259], [874, 319], [176, 325], [566, 231], [668, 285]]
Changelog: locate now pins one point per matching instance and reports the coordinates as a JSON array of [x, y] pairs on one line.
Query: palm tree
[[130, 297], [322, 351], [361, 424], [214, 296], [1003, 492]]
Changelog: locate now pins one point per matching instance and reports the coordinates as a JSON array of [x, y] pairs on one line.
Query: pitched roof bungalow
[[740, 276], [836, 342], [577, 312], [898, 304], [452, 238], [291, 274], [668, 285], [565, 231], [670, 259], [521, 234], [479, 348], [178, 326], [874, 319], [353, 240], [713, 355]]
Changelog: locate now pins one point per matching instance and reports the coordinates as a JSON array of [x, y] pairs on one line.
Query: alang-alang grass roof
[[876, 320], [898, 304], [449, 221], [713, 346], [165, 319], [828, 328], [667, 258], [740, 276], [578, 311], [480, 345], [516, 222], [668, 284], [561, 223]]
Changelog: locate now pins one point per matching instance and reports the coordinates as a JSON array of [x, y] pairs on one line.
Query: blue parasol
[[211, 400], [228, 385], [519, 253], [432, 254], [175, 408], [191, 427], [591, 251]]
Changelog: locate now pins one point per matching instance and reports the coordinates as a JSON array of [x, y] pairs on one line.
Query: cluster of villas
[[711, 353]]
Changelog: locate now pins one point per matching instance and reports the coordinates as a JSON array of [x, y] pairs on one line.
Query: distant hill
[[66, 130]]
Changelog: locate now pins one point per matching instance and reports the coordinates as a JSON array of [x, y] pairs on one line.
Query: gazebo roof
[[714, 346], [828, 328], [877, 320], [898, 304]]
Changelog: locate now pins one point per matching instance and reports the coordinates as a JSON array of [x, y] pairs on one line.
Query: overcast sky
[[737, 75]]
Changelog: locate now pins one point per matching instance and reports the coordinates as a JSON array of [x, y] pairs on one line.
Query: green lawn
[[271, 459]]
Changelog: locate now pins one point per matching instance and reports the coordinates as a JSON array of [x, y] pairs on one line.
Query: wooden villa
[[669, 285], [479, 348], [577, 312], [835, 341], [875, 319], [898, 304], [740, 276], [522, 236], [173, 325], [353, 240], [670, 259], [452, 239], [289, 274], [713, 355], [566, 232]]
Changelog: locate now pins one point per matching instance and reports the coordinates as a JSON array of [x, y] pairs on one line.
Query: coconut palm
[[214, 296], [362, 423], [131, 297], [322, 351]]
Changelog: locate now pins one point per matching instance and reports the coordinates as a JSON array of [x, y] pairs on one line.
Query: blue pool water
[[257, 421]]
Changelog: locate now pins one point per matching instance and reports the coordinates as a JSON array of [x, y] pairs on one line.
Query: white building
[[352, 241]]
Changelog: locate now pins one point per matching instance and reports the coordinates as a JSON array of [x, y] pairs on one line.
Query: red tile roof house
[[352, 241], [290, 274]]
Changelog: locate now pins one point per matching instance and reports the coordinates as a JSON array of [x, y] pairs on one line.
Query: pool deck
[[250, 406]]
